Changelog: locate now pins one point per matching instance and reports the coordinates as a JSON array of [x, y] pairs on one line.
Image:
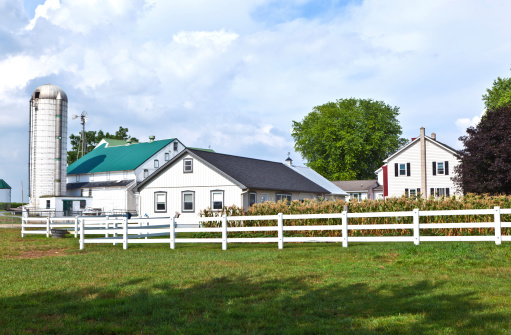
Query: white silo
[[5, 195], [48, 143]]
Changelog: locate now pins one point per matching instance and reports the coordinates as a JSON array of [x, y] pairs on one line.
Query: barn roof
[[117, 158], [3, 184]]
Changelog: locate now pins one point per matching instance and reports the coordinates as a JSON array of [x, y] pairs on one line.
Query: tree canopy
[[486, 158], [499, 95], [93, 138], [348, 139]]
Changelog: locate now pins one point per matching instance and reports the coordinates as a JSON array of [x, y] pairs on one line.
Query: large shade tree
[[486, 158], [499, 95], [348, 139]]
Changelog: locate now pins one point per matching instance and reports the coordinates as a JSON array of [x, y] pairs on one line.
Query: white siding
[[174, 181], [5, 195], [435, 153]]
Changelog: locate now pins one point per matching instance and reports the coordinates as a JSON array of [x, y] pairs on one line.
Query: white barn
[[424, 166], [197, 179]]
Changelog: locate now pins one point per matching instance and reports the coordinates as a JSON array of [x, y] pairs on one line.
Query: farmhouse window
[[77, 177], [160, 200], [252, 198], [217, 200], [167, 156], [146, 173], [283, 197], [188, 201], [82, 204], [175, 146], [412, 193], [48, 204], [264, 197], [402, 169], [156, 163], [188, 165]]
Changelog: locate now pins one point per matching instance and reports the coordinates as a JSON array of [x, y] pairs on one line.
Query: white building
[[106, 176], [424, 166], [48, 145], [361, 189], [195, 180], [5, 194]]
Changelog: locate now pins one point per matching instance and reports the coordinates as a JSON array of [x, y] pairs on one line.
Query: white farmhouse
[[424, 166], [196, 179], [106, 176]]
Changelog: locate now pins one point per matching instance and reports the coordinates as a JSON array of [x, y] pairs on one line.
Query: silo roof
[[118, 158], [50, 91], [4, 185]]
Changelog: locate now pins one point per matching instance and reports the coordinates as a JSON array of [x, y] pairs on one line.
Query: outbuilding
[[5, 195]]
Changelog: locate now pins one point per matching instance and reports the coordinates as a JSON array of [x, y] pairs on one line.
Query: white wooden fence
[[164, 230]]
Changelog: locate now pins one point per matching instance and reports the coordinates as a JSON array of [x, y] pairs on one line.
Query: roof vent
[[433, 136], [289, 161], [151, 138]]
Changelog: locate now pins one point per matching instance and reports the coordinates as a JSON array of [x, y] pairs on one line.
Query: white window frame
[[146, 173], [156, 202], [438, 168], [188, 168], [183, 202], [156, 163], [77, 177], [213, 200], [167, 156], [264, 197], [175, 146], [281, 196], [402, 172]]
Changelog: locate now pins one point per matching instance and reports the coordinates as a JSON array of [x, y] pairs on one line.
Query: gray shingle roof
[[260, 174], [92, 184], [356, 185]]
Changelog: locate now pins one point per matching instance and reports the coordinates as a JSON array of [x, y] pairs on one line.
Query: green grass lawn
[[49, 286]]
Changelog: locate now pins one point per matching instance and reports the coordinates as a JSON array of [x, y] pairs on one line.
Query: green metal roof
[[3, 184], [113, 143], [119, 158], [207, 150]]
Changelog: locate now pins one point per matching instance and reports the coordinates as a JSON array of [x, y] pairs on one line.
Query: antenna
[[82, 148]]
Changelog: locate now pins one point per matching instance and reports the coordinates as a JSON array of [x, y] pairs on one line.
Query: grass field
[[49, 286]]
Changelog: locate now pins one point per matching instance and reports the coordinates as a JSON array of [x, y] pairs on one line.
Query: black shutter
[[446, 169], [434, 168], [408, 169], [447, 192], [406, 192], [396, 169], [432, 192], [418, 191]]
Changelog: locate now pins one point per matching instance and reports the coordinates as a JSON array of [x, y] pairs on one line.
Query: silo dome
[[49, 91]]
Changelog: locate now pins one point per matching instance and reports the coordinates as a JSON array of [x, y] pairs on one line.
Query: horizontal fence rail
[[114, 230]]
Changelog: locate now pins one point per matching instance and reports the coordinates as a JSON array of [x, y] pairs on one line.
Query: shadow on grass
[[243, 305]]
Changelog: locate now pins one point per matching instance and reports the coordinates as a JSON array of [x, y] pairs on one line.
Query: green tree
[[348, 139], [499, 95], [93, 138]]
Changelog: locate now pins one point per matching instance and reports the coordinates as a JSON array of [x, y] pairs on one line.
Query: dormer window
[[146, 173], [175, 146], [167, 156], [156, 163], [188, 165]]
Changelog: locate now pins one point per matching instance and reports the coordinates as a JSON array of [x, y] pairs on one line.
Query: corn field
[[470, 201]]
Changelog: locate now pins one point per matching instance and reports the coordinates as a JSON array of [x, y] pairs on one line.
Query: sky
[[233, 75]]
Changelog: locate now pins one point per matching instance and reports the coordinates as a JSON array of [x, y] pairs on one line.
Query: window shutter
[[396, 169], [408, 169], [446, 168], [406, 192], [418, 191], [434, 168], [432, 190], [447, 192]]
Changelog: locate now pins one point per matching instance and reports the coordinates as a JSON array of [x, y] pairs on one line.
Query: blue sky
[[233, 75]]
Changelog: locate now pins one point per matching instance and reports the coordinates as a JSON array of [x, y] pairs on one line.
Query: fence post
[[107, 225], [224, 232], [23, 227], [173, 233], [498, 230], [115, 231], [125, 234], [82, 234], [76, 226], [416, 227], [281, 230], [147, 225], [345, 229], [48, 227]]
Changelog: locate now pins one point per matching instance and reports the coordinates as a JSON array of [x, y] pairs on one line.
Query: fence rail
[[164, 230]]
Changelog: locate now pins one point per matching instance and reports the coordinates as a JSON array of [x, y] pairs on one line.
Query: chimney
[[151, 138], [424, 189], [128, 142], [433, 136], [289, 161]]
